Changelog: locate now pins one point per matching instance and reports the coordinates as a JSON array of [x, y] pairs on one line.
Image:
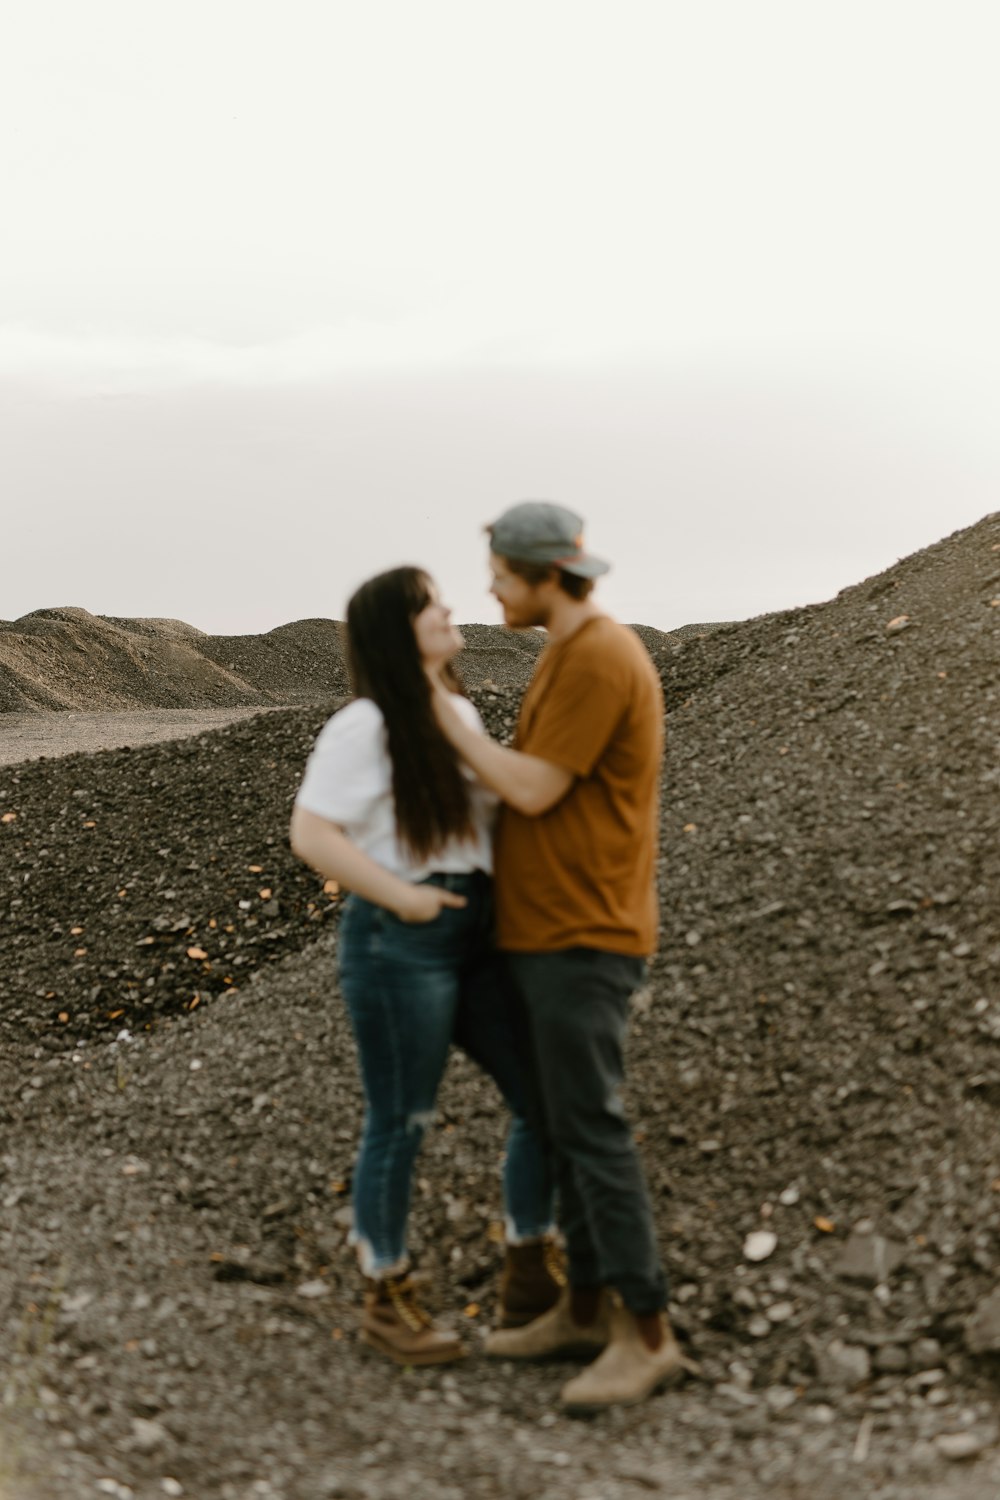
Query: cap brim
[[585, 567]]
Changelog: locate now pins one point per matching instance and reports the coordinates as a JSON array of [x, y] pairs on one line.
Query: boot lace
[[403, 1296], [552, 1257]]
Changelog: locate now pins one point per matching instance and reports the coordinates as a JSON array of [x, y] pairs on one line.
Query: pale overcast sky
[[293, 292]]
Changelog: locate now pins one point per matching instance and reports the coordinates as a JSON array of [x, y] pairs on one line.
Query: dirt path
[[31, 736]]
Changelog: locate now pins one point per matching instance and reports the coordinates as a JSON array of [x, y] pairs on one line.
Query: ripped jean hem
[[377, 1267]]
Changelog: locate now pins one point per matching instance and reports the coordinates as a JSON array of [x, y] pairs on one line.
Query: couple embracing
[[409, 805]]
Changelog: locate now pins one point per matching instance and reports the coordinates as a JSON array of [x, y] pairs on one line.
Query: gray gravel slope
[[815, 1059]]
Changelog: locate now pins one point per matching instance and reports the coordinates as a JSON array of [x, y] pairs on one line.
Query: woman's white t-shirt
[[348, 779]]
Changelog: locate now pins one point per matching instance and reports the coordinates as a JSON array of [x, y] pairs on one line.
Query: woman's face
[[438, 640]]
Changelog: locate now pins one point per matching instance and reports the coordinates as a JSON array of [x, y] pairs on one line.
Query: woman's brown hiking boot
[[394, 1323], [531, 1280]]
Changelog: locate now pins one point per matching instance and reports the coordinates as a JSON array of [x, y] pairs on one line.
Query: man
[[576, 918]]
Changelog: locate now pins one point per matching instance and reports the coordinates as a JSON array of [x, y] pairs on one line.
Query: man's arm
[[526, 782]]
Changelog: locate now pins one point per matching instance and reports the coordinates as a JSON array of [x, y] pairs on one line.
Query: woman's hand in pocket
[[423, 903]]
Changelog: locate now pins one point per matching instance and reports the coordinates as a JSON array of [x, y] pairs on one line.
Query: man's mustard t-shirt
[[583, 873]]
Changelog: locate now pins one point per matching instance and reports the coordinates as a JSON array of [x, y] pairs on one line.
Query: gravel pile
[[827, 995], [119, 867], [815, 1076]]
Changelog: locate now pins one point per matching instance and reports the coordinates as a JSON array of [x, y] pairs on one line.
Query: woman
[[386, 809]]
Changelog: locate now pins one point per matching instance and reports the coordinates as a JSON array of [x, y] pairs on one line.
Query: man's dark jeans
[[574, 1008]]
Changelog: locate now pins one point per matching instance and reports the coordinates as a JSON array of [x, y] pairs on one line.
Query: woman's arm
[[329, 851]]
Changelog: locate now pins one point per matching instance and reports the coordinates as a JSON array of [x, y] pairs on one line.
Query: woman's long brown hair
[[430, 792]]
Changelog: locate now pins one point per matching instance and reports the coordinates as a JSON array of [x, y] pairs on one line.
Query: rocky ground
[[815, 1081]]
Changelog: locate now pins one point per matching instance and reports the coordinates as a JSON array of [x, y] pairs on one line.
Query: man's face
[[524, 604]]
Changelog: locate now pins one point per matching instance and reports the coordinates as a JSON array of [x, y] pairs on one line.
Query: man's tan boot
[[628, 1371], [394, 1323], [533, 1275], [554, 1334]]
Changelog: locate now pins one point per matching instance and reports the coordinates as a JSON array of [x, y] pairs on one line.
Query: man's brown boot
[[394, 1323], [629, 1370], [532, 1277], [556, 1334]]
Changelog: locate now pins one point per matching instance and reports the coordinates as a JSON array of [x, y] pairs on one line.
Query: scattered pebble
[[959, 1445], [760, 1244]]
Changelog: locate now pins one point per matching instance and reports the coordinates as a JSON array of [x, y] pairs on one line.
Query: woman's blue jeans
[[412, 989]]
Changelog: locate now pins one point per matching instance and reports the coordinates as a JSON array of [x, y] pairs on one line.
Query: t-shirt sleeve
[[578, 714], [346, 772]]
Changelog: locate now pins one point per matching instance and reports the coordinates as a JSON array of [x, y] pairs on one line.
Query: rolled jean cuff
[[521, 1234], [376, 1267]]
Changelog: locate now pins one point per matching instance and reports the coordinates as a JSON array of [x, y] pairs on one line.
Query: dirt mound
[[155, 625], [294, 663], [497, 656], [815, 1063], [656, 640], [70, 659]]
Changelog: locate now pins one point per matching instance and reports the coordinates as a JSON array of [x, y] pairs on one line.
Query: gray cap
[[536, 531]]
